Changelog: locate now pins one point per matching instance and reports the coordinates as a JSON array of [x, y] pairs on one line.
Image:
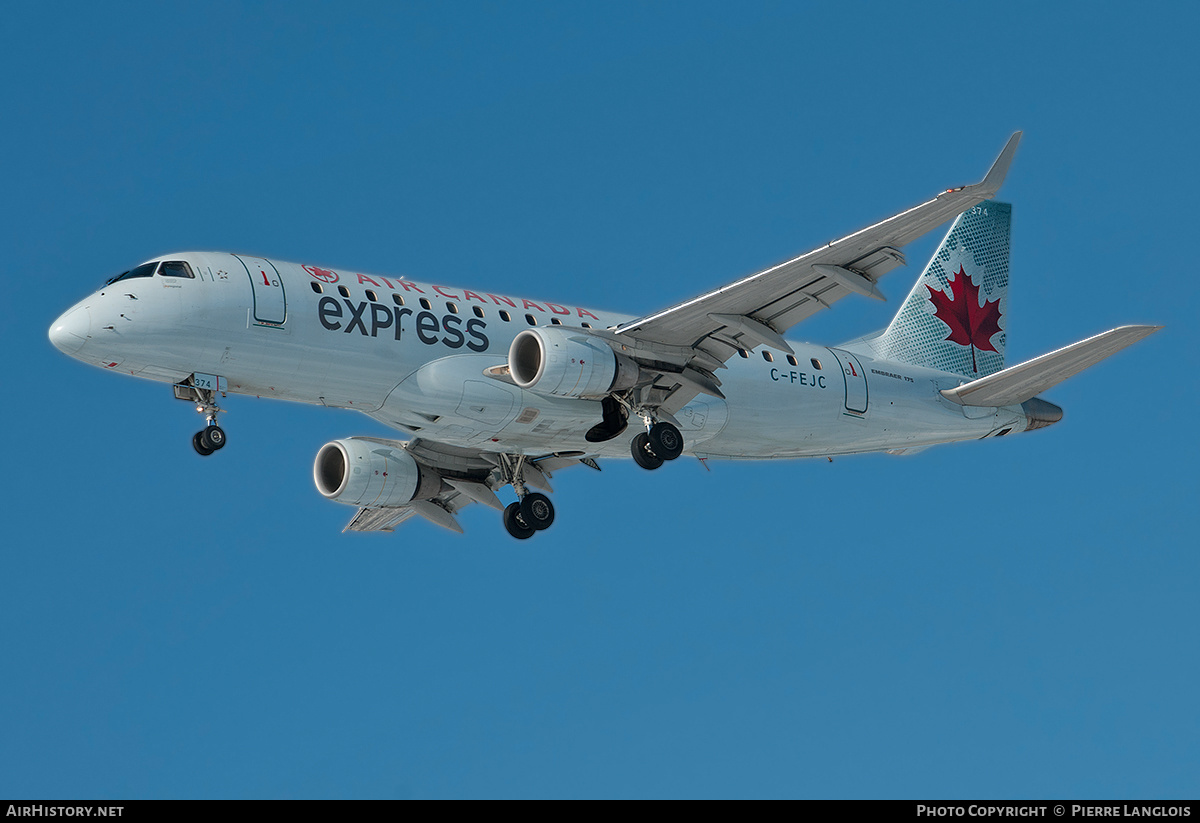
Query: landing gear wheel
[[515, 524], [643, 455], [537, 511], [198, 445], [665, 440], [213, 438]]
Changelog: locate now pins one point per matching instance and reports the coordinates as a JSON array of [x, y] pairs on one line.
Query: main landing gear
[[515, 523], [533, 511], [530, 514], [661, 441]]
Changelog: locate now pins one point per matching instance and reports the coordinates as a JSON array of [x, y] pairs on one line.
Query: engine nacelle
[[568, 363], [362, 472]]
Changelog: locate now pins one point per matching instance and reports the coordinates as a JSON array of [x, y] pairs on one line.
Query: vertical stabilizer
[[955, 316]]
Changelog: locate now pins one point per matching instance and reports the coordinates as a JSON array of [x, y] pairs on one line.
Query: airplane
[[495, 391]]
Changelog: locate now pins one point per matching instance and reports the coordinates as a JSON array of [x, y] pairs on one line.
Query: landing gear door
[[270, 305], [856, 381]]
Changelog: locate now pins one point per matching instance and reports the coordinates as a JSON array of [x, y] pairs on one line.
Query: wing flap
[[1019, 383], [378, 520], [479, 492], [434, 513]]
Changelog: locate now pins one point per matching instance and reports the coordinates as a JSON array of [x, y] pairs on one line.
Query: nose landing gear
[[199, 390], [211, 439]]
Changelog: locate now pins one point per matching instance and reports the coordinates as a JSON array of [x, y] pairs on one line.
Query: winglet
[[995, 176]]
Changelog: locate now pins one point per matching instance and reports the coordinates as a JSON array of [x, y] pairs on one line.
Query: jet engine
[[373, 473], [568, 363]]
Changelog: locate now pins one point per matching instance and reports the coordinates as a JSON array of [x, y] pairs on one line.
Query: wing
[[468, 476], [696, 337]]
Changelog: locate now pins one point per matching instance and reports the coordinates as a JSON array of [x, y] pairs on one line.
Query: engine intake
[[362, 472], [568, 363]]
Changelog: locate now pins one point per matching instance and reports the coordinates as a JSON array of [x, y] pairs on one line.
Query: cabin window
[[176, 268], [767, 356], [743, 354], [425, 304], [398, 300], [505, 316], [478, 311], [451, 307], [816, 363], [315, 286], [531, 320], [792, 361], [343, 291], [371, 296], [587, 325], [554, 321]]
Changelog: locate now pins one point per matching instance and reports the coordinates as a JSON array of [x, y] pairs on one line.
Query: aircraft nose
[[70, 331]]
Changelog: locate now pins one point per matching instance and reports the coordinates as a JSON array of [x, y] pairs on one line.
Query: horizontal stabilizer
[[1019, 383]]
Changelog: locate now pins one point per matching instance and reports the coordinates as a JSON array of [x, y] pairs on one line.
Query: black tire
[[213, 437], [537, 511], [643, 455], [515, 524], [666, 441], [198, 445]]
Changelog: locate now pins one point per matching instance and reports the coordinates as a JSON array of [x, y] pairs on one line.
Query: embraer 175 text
[[501, 391]]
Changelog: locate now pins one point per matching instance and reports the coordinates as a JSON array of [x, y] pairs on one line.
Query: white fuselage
[[413, 356]]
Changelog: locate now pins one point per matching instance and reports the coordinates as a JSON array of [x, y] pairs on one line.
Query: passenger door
[[270, 305], [856, 381]]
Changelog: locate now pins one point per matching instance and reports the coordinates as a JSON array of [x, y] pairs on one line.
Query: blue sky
[[1015, 618]]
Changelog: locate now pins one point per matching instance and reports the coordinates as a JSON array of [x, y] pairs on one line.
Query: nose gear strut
[[212, 437]]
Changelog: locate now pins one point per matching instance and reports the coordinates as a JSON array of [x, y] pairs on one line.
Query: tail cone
[[1040, 413]]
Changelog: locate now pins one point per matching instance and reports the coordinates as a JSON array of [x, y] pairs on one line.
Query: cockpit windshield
[[144, 270], [176, 268], [166, 268]]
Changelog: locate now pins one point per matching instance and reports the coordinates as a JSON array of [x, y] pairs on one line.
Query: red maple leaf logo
[[321, 274], [970, 324]]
